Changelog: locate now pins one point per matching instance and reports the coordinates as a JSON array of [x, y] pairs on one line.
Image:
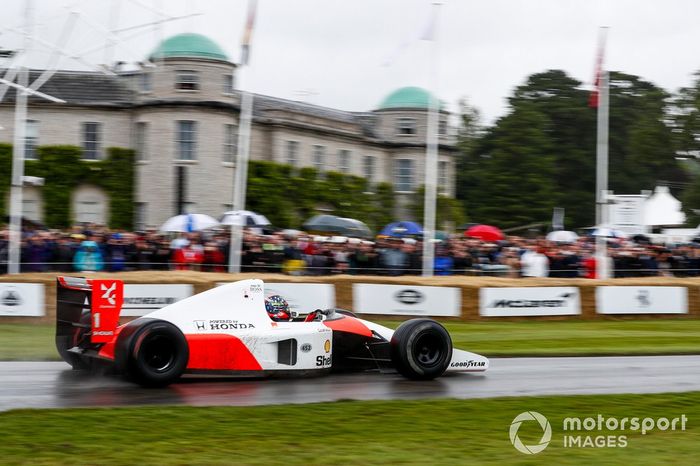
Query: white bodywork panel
[[238, 309]]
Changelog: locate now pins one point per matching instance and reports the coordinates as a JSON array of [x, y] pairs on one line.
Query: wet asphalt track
[[54, 384]]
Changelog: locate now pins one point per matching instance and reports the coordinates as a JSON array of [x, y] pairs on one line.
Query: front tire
[[421, 349], [153, 353]]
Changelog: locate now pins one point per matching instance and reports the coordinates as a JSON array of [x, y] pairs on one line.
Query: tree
[[513, 171], [571, 130]]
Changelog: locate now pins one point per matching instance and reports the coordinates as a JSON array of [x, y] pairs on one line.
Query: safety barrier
[[31, 297]]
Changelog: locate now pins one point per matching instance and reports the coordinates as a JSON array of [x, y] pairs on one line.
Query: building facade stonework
[[180, 113]]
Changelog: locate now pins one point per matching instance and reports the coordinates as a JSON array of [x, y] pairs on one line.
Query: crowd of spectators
[[92, 248]]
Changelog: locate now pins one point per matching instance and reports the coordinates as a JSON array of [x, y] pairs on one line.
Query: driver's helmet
[[277, 308]]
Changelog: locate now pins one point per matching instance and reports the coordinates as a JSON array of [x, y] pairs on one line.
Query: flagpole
[[240, 184], [602, 169], [431, 157]]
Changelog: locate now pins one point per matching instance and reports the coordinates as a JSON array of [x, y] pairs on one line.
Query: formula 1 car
[[227, 330]]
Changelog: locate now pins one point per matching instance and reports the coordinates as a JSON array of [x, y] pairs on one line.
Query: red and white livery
[[227, 330]]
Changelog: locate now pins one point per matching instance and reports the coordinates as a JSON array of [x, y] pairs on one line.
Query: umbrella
[[641, 239], [188, 223], [485, 233], [608, 232], [244, 218], [400, 229], [562, 236], [337, 225]]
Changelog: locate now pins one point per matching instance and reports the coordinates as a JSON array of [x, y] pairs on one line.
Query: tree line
[[542, 153]]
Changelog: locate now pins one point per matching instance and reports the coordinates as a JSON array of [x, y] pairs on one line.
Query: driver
[[278, 309]]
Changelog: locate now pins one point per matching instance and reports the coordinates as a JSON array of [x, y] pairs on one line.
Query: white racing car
[[227, 330]]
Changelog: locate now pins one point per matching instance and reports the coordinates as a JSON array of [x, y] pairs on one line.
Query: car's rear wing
[[87, 308]]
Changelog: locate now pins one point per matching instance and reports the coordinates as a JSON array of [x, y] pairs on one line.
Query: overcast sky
[[330, 52]]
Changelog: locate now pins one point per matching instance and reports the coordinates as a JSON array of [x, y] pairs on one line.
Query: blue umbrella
[[400, 229]]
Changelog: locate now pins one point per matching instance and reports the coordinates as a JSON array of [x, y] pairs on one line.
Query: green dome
[[188, 45], [407, 97]]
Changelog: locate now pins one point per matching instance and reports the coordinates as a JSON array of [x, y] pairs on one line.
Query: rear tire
[[153, 353], [421, 349]]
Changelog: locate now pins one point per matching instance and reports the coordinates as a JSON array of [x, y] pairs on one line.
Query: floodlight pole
[[20, 130], [240, 184], [431, 159]]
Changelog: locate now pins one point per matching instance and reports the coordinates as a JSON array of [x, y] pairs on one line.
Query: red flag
[[595, 93]]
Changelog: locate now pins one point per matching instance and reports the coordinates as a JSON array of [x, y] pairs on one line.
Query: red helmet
[[277, 308]]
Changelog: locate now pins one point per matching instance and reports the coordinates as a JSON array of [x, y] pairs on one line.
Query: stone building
[[180, 112]]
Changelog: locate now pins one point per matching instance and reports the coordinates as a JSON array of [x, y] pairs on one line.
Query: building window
[[228, 84], [319, 155], [31, 139], [91, 141], [442, 127], [368, 168], [442, 177], [344, 161], [140, 215], [230, 135], [405, 126], [292, 153], [186, 140], [146, 84], [140, 133], [186, 80], [403, 175]]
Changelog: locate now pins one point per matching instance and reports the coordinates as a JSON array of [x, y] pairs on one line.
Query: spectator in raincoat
[[88, 258]]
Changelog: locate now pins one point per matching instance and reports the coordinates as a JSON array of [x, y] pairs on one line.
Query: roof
[[407, 97], [80, 87], [189, 45]]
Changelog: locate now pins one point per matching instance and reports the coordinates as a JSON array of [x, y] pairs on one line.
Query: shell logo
[[327, 346]]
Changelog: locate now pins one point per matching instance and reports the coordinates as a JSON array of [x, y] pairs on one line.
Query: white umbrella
[[187, 223], [562, 236], [244, 218]]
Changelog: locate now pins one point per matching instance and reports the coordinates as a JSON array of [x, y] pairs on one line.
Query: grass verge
[[373, 432], [534, 338]]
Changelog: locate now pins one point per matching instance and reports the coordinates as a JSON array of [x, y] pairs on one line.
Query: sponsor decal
[[21, 299], [305, 348], [11, 297], [469, 363], [529, 301], [643, 298], [327, 346], [156, 302], [323, 361], [203, 325], [409, 297], [520, 303], [256, 289]]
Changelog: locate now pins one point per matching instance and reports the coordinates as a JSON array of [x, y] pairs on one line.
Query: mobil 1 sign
[[143, 299], [406, 300], [641, 300], [22, 299], [529, 301]]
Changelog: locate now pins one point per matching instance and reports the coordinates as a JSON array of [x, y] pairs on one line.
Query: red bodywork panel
[[107, 298], [220, 352], [207, 352], [349, 325]]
